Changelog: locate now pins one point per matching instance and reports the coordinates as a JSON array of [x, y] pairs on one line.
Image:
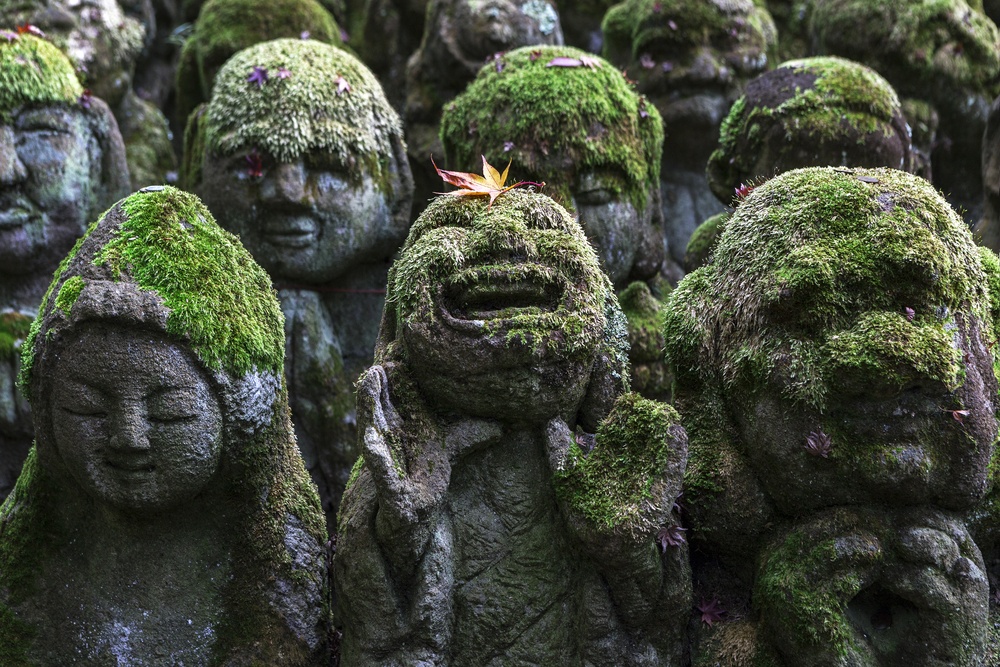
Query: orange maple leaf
[[490, 184]]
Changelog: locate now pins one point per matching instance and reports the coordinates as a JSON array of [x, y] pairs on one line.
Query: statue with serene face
[[835, 370], [61, 163], [485, 521], [306, 164], [163, 452]]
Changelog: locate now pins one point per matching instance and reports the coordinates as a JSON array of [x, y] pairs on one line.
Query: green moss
[[825, 246], [644, 321], [533, 225], [68, 293], [170, 244], [703, 239], [14, 327], [559, 122], [34, 72], [612, 484], [225, 27], [286, 118]]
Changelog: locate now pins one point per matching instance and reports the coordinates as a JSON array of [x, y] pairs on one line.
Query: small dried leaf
[[283, 73], [535, 55], [647, 61], [490, 184], [28, 29], [868, 179], [85, 98], [582, 61], [342, 85], [909, 313], [959, 415], [255, 164], [258, 76], [711, 611], [305, 34], [670, 536], [9, 36], [672, 24]]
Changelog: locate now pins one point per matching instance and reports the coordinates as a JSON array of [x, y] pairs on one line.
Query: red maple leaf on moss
[[490, 184], [711, 611]]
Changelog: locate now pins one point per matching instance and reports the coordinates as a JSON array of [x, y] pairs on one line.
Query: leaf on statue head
[[490, 184]]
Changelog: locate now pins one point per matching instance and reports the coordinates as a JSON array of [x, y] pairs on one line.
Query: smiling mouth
[[476, 295], [291, 232], [16, 216], [130, 465]]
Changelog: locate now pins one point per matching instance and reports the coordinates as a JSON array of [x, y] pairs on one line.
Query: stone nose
[[285, 182], [12, 170], [130, 428]]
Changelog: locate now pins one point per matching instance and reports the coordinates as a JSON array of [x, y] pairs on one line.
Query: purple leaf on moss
[[711, 611], [85, 98], [647, 61], [258, 75], [342, 85], [670, 536], [283, 73], [582, 61]]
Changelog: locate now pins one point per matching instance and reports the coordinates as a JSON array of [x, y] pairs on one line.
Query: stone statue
[[306, 164], [485, 523], [692, 59], [569, 119], [945, 54], [61, 163], [835, 373], [164, 514], [105, 44], [459, 36], [988, 227], [227, 26], [813, 112]]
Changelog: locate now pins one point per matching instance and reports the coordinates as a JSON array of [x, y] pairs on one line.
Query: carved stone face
[[502, 310], [485, 27], [50, 165], [135, 420], [614, 226], [305, 220]]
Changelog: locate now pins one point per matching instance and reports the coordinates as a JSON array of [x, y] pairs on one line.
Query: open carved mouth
[[477, 294]]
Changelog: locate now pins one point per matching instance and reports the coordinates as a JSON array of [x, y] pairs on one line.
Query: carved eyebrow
[[39, 119]]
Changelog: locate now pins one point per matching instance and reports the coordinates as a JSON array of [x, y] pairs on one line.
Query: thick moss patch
[[554, 123], [33, 71], [14, 327]]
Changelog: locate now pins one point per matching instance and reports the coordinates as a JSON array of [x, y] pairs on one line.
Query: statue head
[[692, 58], [476, 29], [503, 311], [101, 40], [62, 160], [225, 27], [299, 153], [154, 371], [809, 113], [838, 347], [569, 119]]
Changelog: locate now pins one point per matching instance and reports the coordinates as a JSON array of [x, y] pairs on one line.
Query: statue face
[[50, 165], [485, 27], [892, 387], [304, 220], [613, 225], [502, 290], [134, 419]]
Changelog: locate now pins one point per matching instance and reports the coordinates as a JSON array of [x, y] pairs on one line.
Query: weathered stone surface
[[313, 178], [164, 514], [484, 525]]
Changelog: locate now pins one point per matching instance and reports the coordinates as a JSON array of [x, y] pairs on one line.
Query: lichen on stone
[[555, 122], [34, 72], [310, 110]]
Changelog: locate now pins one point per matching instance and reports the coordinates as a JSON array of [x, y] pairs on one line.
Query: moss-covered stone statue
[[944, 53], [692, 59], [569, 119], [105, 44], [581, 22], [61, 163], [835, 373], [813, 112], [164, 514], [384, 34], [987, 228], [305, 162], [459, 36], [227, 26], [485, 523]]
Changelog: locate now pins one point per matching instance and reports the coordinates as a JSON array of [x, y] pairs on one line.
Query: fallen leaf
[[958, 415], [258, 75], [647, 61], [9, 36], [255, 164], [582, 61], [85, 98], [342, 85], [283, 73], [490, 184], [711, 611], [909, 313], [28, 29]]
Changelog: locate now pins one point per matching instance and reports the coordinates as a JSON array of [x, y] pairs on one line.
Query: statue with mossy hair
[[164, 454], [61, 163], [692, 59], [305, 162], [814, 112], [569, 119], [105, 43], [459, 36], [834, 368], [225, 27], [943, 53], [486, 522]]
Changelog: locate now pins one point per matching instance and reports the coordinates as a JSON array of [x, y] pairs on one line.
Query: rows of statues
[[702, 369]]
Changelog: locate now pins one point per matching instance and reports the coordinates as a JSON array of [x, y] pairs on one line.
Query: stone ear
[[401, 184], [387, 329], [114, 176]]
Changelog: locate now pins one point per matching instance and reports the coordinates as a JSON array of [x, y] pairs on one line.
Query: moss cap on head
[[802, 256], [225, 27], [34, 72], [328, 102], [554, 122], [167, 243], [810, 112]]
